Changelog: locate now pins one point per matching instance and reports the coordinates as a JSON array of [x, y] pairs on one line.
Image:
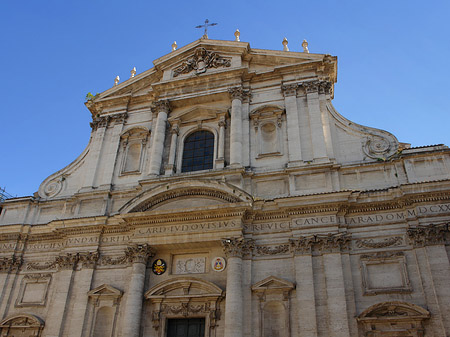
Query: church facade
[[222, 195]]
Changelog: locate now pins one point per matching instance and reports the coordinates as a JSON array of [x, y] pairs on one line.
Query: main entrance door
[[189, 327]]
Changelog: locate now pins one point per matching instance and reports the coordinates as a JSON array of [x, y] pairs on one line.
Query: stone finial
[[174, 46], [285, 44], [133, 72], [237, 34], [116, 80], [305, 46]]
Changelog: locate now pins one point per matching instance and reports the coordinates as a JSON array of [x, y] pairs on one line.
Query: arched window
[[198, 151]]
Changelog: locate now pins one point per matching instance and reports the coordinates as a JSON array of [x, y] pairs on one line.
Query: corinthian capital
[[311, 86], [10, 263], [289, 89], [331, 242], [67, 261], [238, 247], [236, 93], [429, 235], [161, 105], [325, 87], [139, 253], [88, 259]]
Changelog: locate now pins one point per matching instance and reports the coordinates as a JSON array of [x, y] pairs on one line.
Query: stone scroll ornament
[[200, 61]]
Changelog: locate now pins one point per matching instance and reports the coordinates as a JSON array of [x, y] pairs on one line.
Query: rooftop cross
[[206, 25]]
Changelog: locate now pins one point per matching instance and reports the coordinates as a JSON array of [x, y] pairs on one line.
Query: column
[[330, 245], [99, 129], [234, 249], [82, 285], [112, 149], [293, 133], [306, 302], [236, 126], [170, 168], [220, 161], [138, 256], [162, 108], [9, 267], [432, 259], [315, 120], [59, 304], [324, 96]]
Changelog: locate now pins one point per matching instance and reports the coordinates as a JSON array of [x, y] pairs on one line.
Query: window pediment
[[196, 113]]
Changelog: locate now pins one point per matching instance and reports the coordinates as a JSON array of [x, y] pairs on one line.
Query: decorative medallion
[[159, 267], [218, 264]]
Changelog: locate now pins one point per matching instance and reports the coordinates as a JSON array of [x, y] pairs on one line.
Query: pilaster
[[137, 255], [293, 132], [235, 249], [236, 94], [162, 109], [170, 168]]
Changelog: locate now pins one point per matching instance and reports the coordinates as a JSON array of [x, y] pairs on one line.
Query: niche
[[267, 123], [133, 145]]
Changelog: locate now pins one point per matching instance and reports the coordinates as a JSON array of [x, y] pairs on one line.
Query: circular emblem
[[159, 267], [218, 264]]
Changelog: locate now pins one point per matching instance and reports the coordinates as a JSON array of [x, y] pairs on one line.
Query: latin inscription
[[187, 228]]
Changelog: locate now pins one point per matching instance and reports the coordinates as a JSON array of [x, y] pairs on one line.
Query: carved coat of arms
[[200, 61]]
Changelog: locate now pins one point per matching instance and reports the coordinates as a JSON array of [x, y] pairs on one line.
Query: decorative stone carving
[[311, 86], [112, 261], [195, 265], [325, 87], [88, 259], [104, 121], [239, 93], [266, 250], [324, 243], [434, 234], [387, 242], [21, 325], [53, 187], [10, 263], [238, 247], [289, 89], [305, 46], [393, 318], [139, 253], [201, 61], [185, 297], [161, 105], [41, 265], [67, 261], [378, 148]]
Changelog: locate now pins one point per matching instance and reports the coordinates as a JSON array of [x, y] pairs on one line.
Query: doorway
[[186, 327]]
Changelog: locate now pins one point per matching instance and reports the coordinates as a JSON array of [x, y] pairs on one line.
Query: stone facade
[[302, 224]]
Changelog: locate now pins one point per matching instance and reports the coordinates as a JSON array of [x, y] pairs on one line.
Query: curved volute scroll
[[393, 318], [376, 144], [171, 196], [22, 325]]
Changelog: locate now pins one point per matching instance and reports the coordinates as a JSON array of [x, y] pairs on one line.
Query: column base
[[169, 170], [220, 163]]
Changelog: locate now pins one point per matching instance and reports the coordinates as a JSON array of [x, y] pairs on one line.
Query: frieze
[[201, 61], [195, 227], [32, 266], [238, 247], [273, 250], [37, 276], [381, 255], [387, 242], [424, 235]]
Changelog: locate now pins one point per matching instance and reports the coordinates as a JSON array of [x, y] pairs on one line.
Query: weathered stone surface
[[324, 227]]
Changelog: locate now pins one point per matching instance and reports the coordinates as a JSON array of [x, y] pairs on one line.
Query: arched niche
[[104, 308], [22, 325], [185, 297], [133, 143], [274, 306], [187, 193], [393, 319]]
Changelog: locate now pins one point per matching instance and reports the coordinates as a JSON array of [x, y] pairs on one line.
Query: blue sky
[[392, 64]]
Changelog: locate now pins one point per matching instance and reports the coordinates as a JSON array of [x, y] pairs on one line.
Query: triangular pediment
[[273, 283], [105, 290], [197, 113]]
